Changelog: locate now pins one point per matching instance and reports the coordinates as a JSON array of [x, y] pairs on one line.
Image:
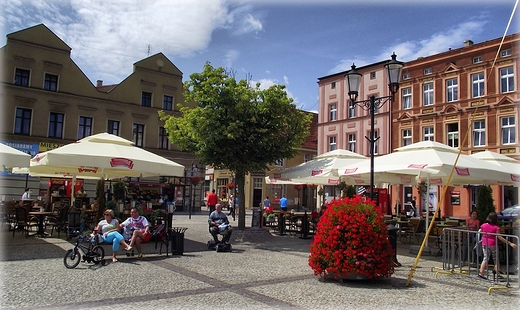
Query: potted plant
[[230, 185], [351, 242], [269, 214], [194, 180]]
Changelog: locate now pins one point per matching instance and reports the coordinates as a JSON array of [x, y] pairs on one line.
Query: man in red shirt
[[212, 201]]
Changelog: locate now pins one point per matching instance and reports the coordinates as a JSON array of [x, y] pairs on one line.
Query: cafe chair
[[23, 222], [58, 222], [73, 225]]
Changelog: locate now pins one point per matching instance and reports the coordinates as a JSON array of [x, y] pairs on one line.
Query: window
[[477, 59], [373, 75], [453, 135], [428, 71], [428, 133], [452, 90], [333, 85], [22, 124], [51, 82], [306, 157], [56, 125], [407, 98], [407, 137], [163, 139], [84, 127], [113, 127], [351, 110], [352, 142], [146, 99], [279, 163], [477, 85], [428, 94], [479, 133], [406, 76], [508, 130], [21, 77], [138, 134], [332, 143], [332, 112], [507, 81], [167, 103], [376, 143], [505, 53]]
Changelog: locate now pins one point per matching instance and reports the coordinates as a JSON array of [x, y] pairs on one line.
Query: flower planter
[[351, 242]]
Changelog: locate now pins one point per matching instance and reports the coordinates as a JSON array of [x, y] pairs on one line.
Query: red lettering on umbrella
[[316, 172], [515, 178], [332, 181], [124, 162], [417, 166], [87, 169], [462, 171], [350, 171]]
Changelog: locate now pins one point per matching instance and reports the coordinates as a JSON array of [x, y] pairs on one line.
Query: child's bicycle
[[91, 254]]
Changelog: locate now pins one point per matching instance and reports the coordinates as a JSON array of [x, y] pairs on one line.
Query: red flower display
[[312, 185], [230, 185], [352, 238], [298, 187]]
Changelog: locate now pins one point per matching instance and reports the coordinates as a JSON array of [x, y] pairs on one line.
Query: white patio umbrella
[[102, 156], [11, 157], [427, 159], [322, 170], [279, 181], [504, 163]]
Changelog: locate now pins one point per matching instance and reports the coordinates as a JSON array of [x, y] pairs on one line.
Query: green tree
[[237, 126], [485, 203], [350, 191]]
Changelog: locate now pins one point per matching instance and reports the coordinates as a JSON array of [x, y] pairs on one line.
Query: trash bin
[[177, 240], [392, 237]]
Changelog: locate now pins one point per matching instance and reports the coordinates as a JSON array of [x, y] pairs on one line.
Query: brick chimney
[[99, 83]]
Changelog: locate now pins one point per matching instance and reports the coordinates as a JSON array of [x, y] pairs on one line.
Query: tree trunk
[[101, 197], [240, 180]]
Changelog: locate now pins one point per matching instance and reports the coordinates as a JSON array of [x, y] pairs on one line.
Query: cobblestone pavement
[[264, 271]]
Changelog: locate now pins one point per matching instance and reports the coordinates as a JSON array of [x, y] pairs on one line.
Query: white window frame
[[332, 143], [279, 163], [508, 130], [351, 110], [406, 76], [507, 79], [452, 137], [479, 133], [477, 85], [477, 59], [428, 133], [428, 71], [351, 142], [506, 53], [406, 98], [452, 90], [406, 137], [333, 112], [376, 143], [428, 94]]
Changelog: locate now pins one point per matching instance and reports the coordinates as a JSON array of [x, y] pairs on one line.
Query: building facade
[[47, 102], [466, 97]]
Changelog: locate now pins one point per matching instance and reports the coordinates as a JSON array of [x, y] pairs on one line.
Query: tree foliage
[[237, 126], [485, 203]]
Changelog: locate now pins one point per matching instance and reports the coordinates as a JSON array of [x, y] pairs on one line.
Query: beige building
[[47, 101]]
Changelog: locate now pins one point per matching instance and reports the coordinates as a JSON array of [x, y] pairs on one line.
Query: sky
[[291, 42]]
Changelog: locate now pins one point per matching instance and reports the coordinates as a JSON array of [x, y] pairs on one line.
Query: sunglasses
[[106, 214]]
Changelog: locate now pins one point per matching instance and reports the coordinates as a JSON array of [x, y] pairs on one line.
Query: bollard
[[281, 224], [392, 237], [305, 227]]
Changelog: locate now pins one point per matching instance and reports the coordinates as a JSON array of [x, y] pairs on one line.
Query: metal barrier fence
[[462, 253]]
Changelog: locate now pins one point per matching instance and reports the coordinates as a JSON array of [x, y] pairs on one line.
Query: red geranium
[[298, 187], [230, 185], [352, 238]]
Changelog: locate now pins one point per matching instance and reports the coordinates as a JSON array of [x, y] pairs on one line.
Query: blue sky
[[292, 42]]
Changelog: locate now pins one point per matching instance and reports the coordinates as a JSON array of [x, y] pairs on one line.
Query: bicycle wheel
[[72, 258], [98, 253]]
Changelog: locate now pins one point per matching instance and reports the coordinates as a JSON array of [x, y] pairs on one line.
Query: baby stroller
[[222, 246]]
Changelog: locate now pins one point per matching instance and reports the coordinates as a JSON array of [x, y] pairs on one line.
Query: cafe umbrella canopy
[[11, 157], [102, 156], [322, 170]]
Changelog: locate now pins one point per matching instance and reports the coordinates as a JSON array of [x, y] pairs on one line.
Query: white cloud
[[286, 80], [411, 50], [230, 57]]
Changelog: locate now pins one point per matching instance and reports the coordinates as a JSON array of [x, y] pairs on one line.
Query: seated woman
[[109, 228]]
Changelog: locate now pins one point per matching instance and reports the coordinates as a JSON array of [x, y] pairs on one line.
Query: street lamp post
[[393, 69]]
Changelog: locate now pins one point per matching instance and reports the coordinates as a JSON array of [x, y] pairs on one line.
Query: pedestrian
[[283, 203], [472, 224], [27, 194], [414, 211], [212, 201], [267, 202], [488, 231]]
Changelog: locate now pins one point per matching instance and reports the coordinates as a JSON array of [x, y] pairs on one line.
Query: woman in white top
[[109, 228]]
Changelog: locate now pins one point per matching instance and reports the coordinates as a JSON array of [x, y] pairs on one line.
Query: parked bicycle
[[93, 253]]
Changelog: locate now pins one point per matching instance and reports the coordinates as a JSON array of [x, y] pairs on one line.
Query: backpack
[[158, 232]]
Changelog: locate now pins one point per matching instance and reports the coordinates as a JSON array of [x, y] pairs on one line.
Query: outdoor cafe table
[[41, 218]]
